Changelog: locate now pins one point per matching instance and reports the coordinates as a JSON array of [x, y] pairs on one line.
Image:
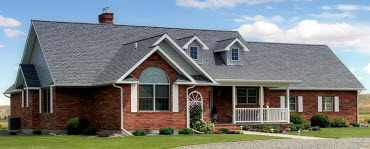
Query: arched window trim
[[154, 92]]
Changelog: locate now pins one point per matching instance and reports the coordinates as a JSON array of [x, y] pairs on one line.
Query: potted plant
[[214, 114]]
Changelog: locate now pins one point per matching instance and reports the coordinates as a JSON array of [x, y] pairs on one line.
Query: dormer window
[[194, 52], [234, 54]]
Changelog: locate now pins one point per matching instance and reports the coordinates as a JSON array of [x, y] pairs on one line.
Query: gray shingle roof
[[85, 53], [222, 44], [30, 75]]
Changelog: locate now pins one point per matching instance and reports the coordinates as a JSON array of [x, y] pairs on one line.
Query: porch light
[[241, 127], [272, 130], [299, 132]]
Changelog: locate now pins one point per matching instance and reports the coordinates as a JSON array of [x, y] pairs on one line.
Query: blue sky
[[343, 25]]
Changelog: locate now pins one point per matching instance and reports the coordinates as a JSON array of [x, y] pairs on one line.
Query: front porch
[[246, 105]]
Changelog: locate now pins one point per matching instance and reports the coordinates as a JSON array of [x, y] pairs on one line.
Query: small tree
[[4, 117], [195, 114]]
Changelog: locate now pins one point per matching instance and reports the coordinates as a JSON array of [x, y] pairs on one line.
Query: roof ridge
[[185, 37], [227, 39], [133, 25], [144, 39], [286, 43]]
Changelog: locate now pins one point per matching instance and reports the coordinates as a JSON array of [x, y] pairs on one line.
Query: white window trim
[[324, 103], [237, 96], [197, 52], [198, 40], [231, 54], [295, 104]]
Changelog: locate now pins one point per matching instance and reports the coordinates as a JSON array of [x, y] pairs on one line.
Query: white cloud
[[294, 19], [311, 32], [1, 45], [367, 7], [13, 32], [346, 7], [326, 7], [366, 69], [4, 100], [218, 3], [8, 22], [258, 18], [268, 7], [333, 15]]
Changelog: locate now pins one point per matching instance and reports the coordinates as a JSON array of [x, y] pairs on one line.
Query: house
[[124, 77]]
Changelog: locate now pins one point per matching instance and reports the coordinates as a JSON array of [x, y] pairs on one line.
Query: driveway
[[343, 143]]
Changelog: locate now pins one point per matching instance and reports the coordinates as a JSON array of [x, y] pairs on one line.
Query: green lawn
[[79, 142], [336, 132]]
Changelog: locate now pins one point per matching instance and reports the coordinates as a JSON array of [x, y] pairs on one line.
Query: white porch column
[[287, 102], [234, 103], [262, 101]]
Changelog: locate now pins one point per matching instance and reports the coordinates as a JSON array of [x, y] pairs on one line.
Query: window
[[247, 95], [293, 103], [194, 52], [328, 103], [234, 54], [154, 90], [46, 100]]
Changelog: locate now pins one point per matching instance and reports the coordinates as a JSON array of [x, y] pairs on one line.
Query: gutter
[[358, 120], [260, 81], [122, 110], [187, 106], [6, 95]]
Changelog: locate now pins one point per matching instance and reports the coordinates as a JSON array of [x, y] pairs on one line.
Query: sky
[[342, 25]]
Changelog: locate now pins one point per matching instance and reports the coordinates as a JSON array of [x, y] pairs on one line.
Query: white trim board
[[204, 46], [227, 48], [329, 89]]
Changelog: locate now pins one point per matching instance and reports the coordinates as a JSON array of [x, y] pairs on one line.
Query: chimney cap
[[106, 10]]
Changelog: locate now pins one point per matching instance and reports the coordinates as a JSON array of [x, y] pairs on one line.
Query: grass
[[141, 142], [3, 124], [336, 132]]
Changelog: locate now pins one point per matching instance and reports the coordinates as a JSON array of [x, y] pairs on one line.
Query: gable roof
[[30, 75]]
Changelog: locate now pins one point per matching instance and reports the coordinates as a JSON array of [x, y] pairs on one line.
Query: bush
[[368, 121], [321, 120], [166, 131], [203, 126], [76, 125], [104, 133], [36, 132], [299, 126], [267, 127], [246, 127], [293, 128], [186, 131], [283, 126], [140, 132], [355, 124], [340, 122], [195, 115], [276, 131], [306, 122], [90, 130], [224, 130], [295, 118]]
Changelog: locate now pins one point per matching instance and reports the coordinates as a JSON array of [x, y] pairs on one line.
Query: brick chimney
[[106, 17]]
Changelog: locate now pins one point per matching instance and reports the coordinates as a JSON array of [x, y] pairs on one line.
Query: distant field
[[364, 107], [4, 111]]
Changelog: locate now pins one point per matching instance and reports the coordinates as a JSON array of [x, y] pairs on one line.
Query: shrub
[[299, 126], [288, 129], [267, 127], [239, 132], [104, 133], [166, 131], [246, 127], [76, 125], [90, 130], [217, 132], [225, 130], [187, 131], [295, 118], [368, 121], [340, 122], [355, 124], [293, 128], [140, 132], [195, 115], [283, 127], [306, 122], [203, 126], [36, 132], [276, 131], [321, 120], [275, 127]]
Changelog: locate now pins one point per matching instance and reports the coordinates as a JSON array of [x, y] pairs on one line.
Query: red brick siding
[[347, 103]]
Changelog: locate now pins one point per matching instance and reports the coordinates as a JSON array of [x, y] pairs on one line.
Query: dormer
[[194, 47], [231, 50]]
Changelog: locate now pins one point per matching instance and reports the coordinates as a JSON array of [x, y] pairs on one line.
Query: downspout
[[358, 121], [187, 106], [122, 110]]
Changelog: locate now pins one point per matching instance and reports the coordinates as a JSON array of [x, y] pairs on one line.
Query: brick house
[[124, 77]]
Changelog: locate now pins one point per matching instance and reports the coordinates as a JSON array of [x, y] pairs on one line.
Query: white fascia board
[[260, 81], [27, 40], [12, 92], [32, 88], [239, 42], [16, 79], [24, 79], [321, 89], [184, 54], [204, 46]]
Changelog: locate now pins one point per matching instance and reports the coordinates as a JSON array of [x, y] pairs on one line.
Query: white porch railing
[[253, 115]]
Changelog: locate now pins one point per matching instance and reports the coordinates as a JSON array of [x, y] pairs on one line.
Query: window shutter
[[22, 98], [40, 98], [336, 98], [319, 103], [175, 98], [133, 97], [300, 103], [282, 102], [27, 98], [51, 99]]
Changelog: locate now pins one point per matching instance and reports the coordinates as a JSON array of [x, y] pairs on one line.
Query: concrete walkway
[[282, 135]]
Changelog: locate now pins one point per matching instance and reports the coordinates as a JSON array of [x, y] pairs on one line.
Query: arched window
[[154, 90]]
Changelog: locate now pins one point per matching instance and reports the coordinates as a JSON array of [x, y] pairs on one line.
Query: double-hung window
[[293, 103], [154, 90], [194, 52], [328, 103], [247, 95], [46, 100], [234, 54]]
